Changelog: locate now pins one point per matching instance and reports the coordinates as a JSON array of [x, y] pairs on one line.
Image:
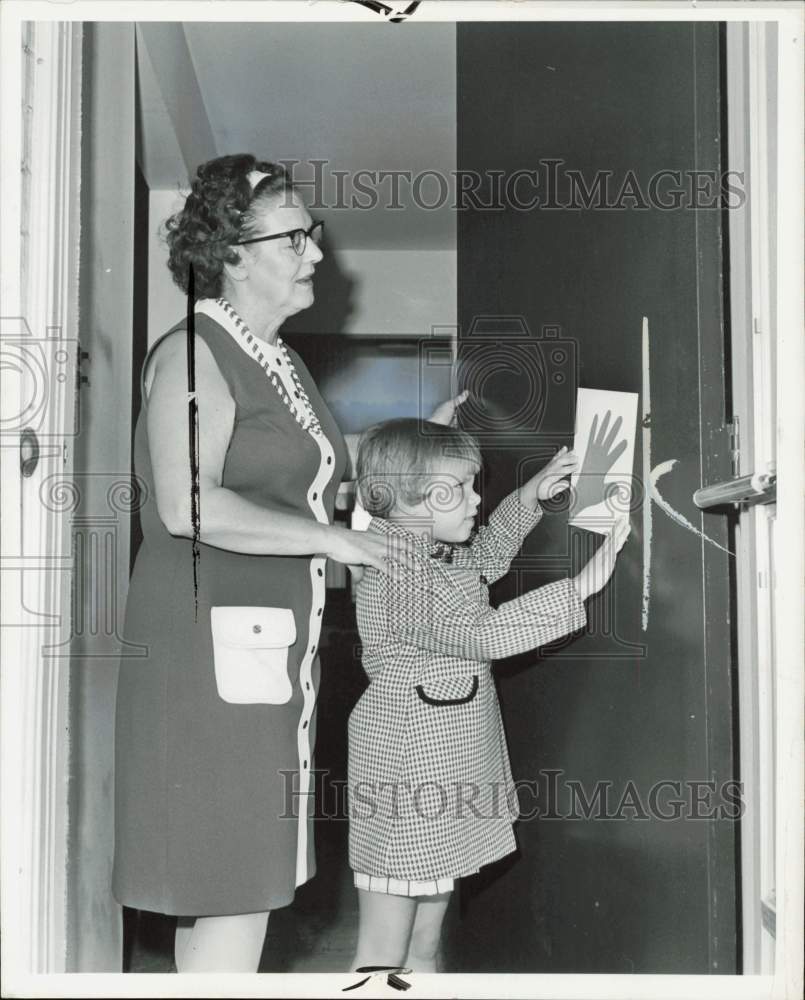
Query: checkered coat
[[430, 786]]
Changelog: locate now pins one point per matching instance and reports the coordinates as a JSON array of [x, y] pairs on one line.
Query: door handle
[[761, 487], [29, 452]]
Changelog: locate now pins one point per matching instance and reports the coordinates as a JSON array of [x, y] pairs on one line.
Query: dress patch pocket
[[250, 647], [449, 691]]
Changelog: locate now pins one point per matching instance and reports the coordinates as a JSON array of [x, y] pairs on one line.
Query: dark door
[[562, 294]]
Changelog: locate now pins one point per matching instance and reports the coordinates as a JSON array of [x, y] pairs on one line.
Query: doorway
[[566, 692]]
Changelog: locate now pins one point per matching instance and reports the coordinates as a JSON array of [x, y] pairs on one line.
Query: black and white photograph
[[403, 415]]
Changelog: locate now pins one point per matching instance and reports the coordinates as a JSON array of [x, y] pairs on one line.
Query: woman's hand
[[366, 548], [445, 413], [598, 570]]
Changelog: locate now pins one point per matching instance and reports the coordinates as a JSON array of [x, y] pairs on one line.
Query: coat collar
[[443, 551]]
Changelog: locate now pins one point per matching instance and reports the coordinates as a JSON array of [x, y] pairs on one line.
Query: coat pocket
[[250, 649], [455, 691]]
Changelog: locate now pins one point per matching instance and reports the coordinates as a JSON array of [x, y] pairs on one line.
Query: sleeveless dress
[[214, 797]]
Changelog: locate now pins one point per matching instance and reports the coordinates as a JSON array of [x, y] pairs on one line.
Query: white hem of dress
[[403, 886]]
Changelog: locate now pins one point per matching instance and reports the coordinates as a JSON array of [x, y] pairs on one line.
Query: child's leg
[[384, 928], [424, 944]]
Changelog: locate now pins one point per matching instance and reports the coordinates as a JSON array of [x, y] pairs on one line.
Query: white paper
[[606, 426]]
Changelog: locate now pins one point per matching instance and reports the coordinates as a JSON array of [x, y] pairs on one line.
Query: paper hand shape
[[599, 458]]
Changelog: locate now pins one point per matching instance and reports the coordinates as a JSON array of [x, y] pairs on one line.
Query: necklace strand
[[303, 412]]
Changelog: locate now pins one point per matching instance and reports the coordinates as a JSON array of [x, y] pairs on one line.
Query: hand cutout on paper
[[599, 458]]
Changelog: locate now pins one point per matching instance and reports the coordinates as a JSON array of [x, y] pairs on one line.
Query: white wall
[[357, 97], [166, 301], [398, 291], [390, 292]]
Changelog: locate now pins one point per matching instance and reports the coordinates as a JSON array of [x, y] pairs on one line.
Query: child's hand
[[548, 481], [599, 569]]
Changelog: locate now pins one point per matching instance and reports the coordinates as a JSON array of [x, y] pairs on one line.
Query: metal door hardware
[[29, 452], [761, 487]]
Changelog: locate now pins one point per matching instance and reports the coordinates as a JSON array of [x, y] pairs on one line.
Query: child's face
[[450, 502]]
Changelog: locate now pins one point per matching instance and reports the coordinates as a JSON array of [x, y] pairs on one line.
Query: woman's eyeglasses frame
[[299, 243]]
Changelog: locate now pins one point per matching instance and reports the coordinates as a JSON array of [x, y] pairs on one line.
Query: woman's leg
[[224, 944], [424, 944], [384, 928], [184, 928]]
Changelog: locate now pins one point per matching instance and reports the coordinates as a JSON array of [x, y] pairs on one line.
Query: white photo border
[[787, 979]]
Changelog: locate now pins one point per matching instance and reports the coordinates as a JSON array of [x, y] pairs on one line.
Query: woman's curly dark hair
[[218, 212]]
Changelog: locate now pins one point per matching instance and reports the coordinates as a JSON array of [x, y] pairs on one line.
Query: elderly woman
[[216, 723]]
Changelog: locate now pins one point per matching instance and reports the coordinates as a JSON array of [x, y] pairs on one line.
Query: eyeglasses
[[298, 237]]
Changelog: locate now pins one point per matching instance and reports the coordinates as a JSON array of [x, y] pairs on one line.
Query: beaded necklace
[[276, 362]]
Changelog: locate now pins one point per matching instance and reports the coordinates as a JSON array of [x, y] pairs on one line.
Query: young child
[[430, 787]]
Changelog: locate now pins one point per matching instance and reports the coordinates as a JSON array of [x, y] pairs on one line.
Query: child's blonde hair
[[397, 457]]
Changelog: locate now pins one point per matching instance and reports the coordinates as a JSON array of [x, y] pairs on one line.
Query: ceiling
[[359, 96]]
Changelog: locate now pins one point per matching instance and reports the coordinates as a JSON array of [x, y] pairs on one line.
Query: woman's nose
[[313, 252]]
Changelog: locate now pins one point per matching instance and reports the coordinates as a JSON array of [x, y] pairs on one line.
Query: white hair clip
[[254, 177]]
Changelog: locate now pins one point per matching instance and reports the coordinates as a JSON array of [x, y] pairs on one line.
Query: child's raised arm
[[498, 542], [440, 619], [495, 544], [424, 607]]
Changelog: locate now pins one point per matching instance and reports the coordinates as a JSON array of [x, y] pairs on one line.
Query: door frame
[[764, 88], [41, 168]]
